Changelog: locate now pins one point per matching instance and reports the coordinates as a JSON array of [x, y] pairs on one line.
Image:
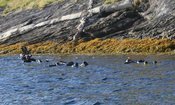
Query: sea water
[[105, 81]]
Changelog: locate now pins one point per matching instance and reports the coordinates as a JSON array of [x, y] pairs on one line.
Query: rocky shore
[[96, 47]]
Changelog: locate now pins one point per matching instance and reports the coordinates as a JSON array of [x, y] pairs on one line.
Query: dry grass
[[97, 46], [110, 1], [11, 5]]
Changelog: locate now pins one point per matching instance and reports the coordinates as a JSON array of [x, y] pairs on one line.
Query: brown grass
[[97, 46]]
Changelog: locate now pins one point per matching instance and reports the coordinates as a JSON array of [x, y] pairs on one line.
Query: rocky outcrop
[[159, 20], [154, 18]]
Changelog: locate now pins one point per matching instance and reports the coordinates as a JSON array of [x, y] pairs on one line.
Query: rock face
[[159, 20], [153, 18]]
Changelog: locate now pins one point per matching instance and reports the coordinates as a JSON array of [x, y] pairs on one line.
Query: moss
[[138, 2], [11, 5], [110, 1], [97, 46], [3, 3]]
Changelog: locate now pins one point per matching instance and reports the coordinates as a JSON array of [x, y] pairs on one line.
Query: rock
[[4, 52], [120, 20], [1, 10]]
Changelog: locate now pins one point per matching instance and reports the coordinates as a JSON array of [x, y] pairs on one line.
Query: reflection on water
[[106, 81]]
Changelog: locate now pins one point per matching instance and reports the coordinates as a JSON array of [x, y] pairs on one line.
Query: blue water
[[106, 81]]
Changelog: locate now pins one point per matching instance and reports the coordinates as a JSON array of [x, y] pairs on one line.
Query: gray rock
[[35, 25]]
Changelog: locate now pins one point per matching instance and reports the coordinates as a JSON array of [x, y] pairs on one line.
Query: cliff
[[58, 21]]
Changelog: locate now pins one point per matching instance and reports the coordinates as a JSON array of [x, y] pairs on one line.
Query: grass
[[11, 5], [98, 46], [110, 1]]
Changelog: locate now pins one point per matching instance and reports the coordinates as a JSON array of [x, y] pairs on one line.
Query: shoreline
[[96, 47]]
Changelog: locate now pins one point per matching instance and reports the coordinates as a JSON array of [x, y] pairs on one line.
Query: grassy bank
[[97, 46], [11, 5]]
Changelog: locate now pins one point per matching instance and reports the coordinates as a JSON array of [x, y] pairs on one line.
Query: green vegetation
[[98, 46], [3, 3], [111, 1], [11, 5]]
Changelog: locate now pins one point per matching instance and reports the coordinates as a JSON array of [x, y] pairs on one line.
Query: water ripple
[[106, 81]]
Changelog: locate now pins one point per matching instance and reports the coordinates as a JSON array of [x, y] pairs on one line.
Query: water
[[106, 81]]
